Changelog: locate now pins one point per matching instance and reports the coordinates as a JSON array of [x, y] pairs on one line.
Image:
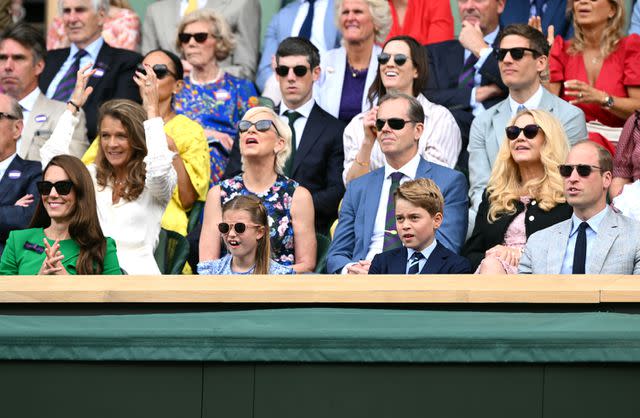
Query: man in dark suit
[[551, 13], [318, 156], [115, 67], [18, 177], [463, 73]]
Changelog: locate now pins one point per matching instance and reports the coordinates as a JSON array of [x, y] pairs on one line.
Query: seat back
[[172, 252], [323, 243]]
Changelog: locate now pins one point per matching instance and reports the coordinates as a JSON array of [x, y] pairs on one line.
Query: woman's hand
[[509, 255], [361, 267], [52, 263], [225, 139], [25, 201], [369, 124], [536, 23], [81, 92], [583, 92], [148, 85]]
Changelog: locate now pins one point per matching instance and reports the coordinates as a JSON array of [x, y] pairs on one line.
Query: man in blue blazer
[[287, 22], [18, 192], [554, 12], [363, 225]]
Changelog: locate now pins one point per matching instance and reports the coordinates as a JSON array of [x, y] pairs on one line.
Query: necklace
[[119, 182], [354, 72]]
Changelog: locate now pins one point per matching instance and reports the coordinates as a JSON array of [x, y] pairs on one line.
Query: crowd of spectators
[[366, 138]]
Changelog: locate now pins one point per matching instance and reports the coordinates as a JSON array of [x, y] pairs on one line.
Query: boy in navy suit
[[418, 208]]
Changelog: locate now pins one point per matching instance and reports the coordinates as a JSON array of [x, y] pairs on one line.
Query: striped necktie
[[68, 82], [414, 263], [468, 72]]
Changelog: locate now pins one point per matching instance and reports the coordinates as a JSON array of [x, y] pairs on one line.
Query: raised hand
[[148, 85], [81, 92], [581, 92], [369, 123], [471, 38]]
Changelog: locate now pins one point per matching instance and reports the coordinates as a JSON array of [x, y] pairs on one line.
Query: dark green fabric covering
[[326, 335]]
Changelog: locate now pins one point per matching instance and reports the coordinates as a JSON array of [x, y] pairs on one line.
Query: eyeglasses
[[516, 53], [63, 187], [530, 131], [239, 227], [584, 170], [394, 123], [399, 59], [7, 116], [161, 70], [298, 70], [200, 37], [261, 125]]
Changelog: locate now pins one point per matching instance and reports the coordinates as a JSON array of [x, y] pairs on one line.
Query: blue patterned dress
[[223, 266], [217, 105], [277, 200]]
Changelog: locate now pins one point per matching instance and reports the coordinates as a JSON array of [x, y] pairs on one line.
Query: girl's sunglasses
[[530, 131], [161, 71], [239, 227], [200, 37], [261, 125], [399, 59], [63, 187], [584, 170]]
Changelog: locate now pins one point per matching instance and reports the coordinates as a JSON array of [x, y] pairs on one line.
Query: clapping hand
[[81, 92], [52, 263], [536, 23]]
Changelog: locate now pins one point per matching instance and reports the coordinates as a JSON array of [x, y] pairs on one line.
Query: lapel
[[310, 134], [54, 61], [371, 201], [547, 102], [435, 262], [424, 168], [32, 126], [558, 248], [398, 261], [499, 122], [455, 61], [604, 241], [103, 61], [5, 182]]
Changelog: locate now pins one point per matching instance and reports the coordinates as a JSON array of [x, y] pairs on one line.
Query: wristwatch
[[608, 102]]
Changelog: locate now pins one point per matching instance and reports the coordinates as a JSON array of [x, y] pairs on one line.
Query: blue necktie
[[414, 263], [520, 108], [468, 72], [305, 30], [580, 252]]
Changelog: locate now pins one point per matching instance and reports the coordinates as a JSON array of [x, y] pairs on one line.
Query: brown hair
[[84, 227], [423, 193], [254, 207], [132, 117]]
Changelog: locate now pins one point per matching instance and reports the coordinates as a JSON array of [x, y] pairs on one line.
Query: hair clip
[[34, 247]]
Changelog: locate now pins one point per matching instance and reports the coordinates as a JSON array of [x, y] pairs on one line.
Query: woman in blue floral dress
[[210, 96], [265, 145]]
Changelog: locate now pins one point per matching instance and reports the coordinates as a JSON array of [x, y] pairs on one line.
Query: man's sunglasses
[[63, 187], [240, 227], [516, 53], [399, 59], [200, 37], [584, 170], [298, 70], [9, 116], [261, 125], [394, 123], [161, 71], [530, 131]]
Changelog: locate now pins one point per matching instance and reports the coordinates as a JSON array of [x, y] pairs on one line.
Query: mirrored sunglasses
[[63, 187], [530, 131], [261, 125]]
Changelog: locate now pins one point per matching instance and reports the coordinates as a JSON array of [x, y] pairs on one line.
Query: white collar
[[426, 252], [409, 169], [532, 103], [93, 49], [4, 164], [29, 101], [304, 110]]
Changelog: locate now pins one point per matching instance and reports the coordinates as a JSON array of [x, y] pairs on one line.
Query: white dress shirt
[[317, 28], [592, 234], [93, 49], [301, 122], [4, 164], [532, 103], [490, 38]]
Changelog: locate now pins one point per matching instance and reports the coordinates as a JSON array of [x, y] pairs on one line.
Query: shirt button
[[533, 203], [531, 218]]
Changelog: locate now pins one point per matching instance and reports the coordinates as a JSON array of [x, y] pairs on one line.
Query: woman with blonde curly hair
[[265, 146], [210, 96], [598, 69], [524, 195]]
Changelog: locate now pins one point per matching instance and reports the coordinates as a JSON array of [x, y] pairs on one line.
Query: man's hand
[[487, 92], [471, 38], [25, 201]]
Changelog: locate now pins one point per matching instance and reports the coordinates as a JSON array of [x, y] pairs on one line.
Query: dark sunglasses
[[399, 59], [584, 170], [63, 187], [530, 131], [261, 125], [516, 53], [161, 71], [7, 116], [200, 37], [298, 70], [394, 123], [240, 227]]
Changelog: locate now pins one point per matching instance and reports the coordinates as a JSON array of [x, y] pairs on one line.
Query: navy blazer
[[517, 11], [441, 261], [353, 234], [119, 65], [19, 179], [317, 165]]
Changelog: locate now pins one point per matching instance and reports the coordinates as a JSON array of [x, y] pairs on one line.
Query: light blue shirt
[[592, 233], [92, 50], [477, 78], [426, 253], [635, 20]]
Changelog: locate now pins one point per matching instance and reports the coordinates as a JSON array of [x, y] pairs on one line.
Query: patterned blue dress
[[218, 105], [277, 200], [223, 266]]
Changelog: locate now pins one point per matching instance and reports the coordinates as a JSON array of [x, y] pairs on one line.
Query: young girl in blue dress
[[244, 229]]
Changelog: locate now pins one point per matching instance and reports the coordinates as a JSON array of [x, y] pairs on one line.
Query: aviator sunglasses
[[63, 187], [584, 170], [516, 53], [298, 70], [530, 131], [399, 59], [394, 123], [161, 71], [200, 37], [261, 125], [239, 227]]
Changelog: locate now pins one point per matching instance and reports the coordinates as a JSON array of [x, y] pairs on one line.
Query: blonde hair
[[219, 29], [505, 184], [380, 13], [123, 4], [610, 36], [282, 130], [423, 193]]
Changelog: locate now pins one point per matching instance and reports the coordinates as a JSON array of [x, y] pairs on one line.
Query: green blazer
[[21, 255]]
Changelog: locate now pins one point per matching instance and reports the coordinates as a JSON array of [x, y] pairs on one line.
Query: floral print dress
[[277, 200]]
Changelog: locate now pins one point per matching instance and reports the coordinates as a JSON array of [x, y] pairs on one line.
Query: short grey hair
[[283, 131], [16, 109], [415, 112], [96, 4], [381, 14]]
